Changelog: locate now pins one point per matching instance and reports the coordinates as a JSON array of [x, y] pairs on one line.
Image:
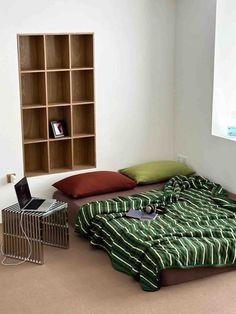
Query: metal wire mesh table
[[50, 228]]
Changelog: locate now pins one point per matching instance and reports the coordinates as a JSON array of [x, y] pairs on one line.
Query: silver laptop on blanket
[[27, 202]]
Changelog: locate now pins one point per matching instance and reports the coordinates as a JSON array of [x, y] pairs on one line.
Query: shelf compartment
[[61, 113], [57, 51], [36, 159], [82, 86], [35, 124], [84, 153], [83, 120], [33, 89], [58, 85], [82, 51], [60, 155], [31, 53]]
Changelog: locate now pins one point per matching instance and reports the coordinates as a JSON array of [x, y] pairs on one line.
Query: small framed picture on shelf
[[57, 129]]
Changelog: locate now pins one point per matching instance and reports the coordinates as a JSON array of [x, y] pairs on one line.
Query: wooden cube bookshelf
[[57, 83]]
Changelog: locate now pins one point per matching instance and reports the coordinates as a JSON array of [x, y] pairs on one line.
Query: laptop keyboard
[[34, 204]]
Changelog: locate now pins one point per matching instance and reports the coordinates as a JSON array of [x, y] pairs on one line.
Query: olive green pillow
[[156, 171]]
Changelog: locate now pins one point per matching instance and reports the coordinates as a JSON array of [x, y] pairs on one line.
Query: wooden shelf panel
[[33, 106], [35, 173], [32, 71], [57, 51], [57, 70], [59, 170], [81, 50], [35, 140], [36, 158], [83, 119], [80, 103], [35, 124], [82, 69], [84, 167], [84, 152], [58, 85], [60, 138], [61, 113], [82, 86], [60, 155], [33, 89], [83, 135], [55, 104], [31, 50]]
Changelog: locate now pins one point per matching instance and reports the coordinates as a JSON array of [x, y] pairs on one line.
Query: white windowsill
[[225, 136]]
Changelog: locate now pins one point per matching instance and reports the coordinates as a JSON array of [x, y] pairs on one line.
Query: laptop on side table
[[29, 203]]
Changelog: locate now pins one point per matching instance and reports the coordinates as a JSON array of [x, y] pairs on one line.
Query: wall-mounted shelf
[[57, 83]]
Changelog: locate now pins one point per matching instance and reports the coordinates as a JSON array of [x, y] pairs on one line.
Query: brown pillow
[[94, 183]]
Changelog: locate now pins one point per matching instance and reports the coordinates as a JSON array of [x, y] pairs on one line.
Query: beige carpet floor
[[81, 280]]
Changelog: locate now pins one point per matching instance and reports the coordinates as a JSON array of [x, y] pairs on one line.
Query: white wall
[[195, 31], [134, 60]]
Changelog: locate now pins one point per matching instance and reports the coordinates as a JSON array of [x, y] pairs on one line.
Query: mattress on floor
[[75, 204]]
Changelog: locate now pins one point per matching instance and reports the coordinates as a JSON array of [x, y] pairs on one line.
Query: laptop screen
[[23, 192]]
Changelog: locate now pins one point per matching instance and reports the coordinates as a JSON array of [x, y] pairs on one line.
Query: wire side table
[[50, 228]]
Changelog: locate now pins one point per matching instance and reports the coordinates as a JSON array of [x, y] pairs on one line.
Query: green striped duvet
[[199, 229]]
